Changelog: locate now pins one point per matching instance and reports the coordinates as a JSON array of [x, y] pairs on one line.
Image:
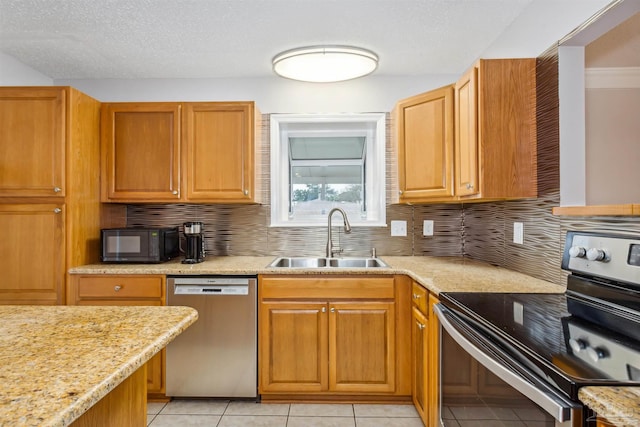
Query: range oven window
[[472, 396]]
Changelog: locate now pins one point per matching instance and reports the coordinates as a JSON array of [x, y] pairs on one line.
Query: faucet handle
[[335, 251], [373, 252]]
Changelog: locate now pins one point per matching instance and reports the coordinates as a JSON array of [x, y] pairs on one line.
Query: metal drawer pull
[[246, 192], [117, 288], [57, 189], [420, 326], [333, 310], [416, 296], [324, 309], [57, 210], [174, 192]]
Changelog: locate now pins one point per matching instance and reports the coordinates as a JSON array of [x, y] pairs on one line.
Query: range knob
[[595, 254], [577, 252], [597, 353], [577, 345]]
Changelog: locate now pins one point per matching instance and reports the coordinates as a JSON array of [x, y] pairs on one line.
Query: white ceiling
[[137, 39]]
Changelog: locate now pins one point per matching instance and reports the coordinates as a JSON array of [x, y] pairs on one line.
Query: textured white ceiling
[[84, 39]]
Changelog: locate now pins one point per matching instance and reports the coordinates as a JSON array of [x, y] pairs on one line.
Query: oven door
[[482, 385]]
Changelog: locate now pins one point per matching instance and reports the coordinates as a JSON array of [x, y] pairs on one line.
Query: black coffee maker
[[194, 248]]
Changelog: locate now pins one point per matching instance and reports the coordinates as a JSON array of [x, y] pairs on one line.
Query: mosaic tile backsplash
[[482, 231]]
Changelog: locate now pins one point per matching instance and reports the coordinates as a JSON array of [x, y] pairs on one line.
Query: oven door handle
[[561, 409]]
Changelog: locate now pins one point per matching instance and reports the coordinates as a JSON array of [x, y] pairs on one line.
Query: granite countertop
[[437, 274], [56, 362], [620, 406]]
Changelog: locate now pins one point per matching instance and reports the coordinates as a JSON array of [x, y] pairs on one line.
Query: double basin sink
[[304, 262]]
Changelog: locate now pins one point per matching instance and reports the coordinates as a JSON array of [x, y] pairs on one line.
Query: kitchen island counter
[[59, 361]]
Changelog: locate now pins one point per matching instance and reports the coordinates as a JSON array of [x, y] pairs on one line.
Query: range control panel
[[610, 256]]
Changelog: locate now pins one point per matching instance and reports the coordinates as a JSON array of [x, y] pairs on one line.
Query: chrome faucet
[[347, 229]]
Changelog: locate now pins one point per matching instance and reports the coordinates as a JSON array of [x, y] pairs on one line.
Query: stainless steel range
[[520, 359]]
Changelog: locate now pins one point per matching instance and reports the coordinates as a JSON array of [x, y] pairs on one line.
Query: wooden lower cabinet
[[124, 290], [433, 359], [425, 346], [333, 336]]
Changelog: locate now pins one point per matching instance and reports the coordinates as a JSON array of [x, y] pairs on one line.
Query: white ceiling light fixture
[[324, 64]]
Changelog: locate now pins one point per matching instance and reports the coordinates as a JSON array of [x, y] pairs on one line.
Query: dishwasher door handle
[[213, 290]]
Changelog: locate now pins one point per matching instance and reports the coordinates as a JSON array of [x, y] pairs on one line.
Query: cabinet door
[[433, 357], [32, 142], [141, 146], [293, 347], [420, 362], [32, 257], [425, 145], [466, 134], [362, 346], [218, 151]]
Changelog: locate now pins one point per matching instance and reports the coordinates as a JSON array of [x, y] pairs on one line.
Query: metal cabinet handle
[[400, 192], [246, 192], [57, 210], [324, 309], [469, 187], [117, 288], [416, 296], [333, 310], [57, 189], [174, 192], [420, 326]]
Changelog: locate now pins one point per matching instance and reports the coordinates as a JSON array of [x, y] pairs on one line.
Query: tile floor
[[216, 413]]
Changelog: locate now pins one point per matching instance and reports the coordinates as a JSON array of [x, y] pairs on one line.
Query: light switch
[[398, 228], [518, 233], [427, 227]]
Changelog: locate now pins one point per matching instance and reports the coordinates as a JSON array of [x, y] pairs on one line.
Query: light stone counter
[[620, 406], [437, 274], [56, 362]]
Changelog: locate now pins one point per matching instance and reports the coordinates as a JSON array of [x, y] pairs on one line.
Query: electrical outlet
[[518, 233], [518, 313], [427, 227], [398, 228]]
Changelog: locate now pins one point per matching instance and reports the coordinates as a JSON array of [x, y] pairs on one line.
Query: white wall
[[15, 73]]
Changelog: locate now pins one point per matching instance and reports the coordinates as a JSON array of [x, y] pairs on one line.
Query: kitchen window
[[319, 162]]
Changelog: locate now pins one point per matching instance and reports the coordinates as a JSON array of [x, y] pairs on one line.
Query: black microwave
[[143, 245]]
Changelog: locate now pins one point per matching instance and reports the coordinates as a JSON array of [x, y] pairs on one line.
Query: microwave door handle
[[559, 408]]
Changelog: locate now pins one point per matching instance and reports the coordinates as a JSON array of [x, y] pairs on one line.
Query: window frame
[[374, 129]]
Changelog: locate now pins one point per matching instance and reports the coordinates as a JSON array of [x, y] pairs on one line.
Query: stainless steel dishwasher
[[217, 355]]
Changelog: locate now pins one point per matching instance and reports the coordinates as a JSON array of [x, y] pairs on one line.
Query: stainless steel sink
[[303, 262]]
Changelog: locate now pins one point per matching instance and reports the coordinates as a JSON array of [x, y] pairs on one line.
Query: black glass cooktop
[[538, 327]]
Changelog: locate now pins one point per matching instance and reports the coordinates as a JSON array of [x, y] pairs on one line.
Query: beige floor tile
[[252, 408], [155, 407], [366, 410], [328, 421], [321, 410], [388, 422], [185, 421], [195, 407], [253, 421]]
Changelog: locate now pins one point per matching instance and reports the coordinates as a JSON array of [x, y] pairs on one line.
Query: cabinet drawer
[[419, 296], [120, 287], [327, 287]]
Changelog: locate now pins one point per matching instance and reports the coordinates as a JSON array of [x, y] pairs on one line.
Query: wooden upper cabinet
[[495, 138], [425, 145], [189, 152], [141, 152], [218, 151], [32, 142], [466, 140]]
